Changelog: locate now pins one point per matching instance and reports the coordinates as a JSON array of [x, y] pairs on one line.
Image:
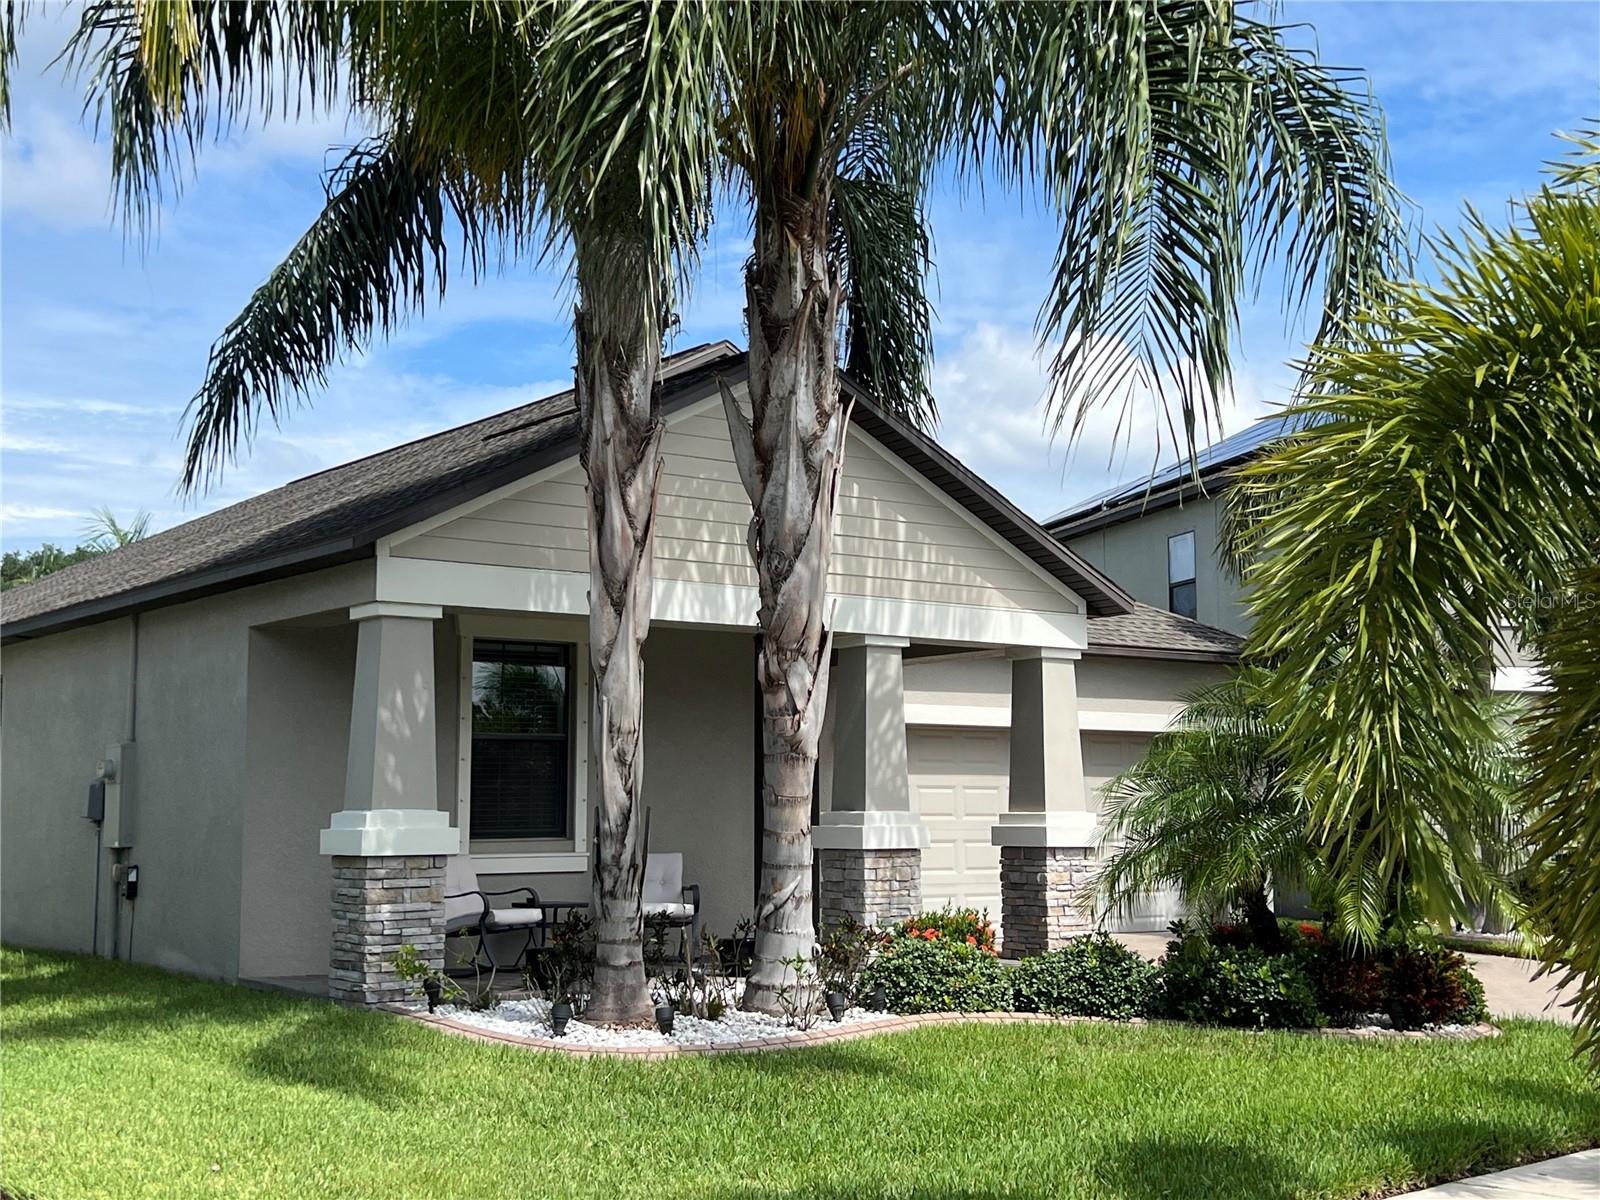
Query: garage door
[[1104, 756], [958, 785]]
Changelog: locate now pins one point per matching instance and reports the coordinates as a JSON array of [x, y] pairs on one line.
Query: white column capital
[[870, 829], [1057, 830], [847, 641], [372, 832], [1046, 653], [392, 608]]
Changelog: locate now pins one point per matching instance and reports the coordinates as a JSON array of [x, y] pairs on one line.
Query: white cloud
[[991, 387], [52, 172]]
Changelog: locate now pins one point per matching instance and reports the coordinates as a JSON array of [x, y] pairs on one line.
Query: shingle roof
[[338, 514], [1149, 632], [325, 518], [1213, 460]]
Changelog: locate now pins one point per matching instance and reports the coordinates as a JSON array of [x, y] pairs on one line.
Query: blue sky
[[103, 345]]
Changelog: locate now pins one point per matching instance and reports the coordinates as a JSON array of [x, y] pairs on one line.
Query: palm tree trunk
[[621, 438], [789, 453], [1261, 920]]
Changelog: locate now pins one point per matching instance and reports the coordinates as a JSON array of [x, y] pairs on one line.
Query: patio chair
[[668, 901], [468, 910]]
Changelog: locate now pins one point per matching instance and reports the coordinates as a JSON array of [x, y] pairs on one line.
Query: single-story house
[[292, 709]]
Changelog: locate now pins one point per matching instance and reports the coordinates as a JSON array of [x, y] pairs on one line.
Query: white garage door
[[958, 784]]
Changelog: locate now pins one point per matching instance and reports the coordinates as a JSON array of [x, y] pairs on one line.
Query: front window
[[1180, 574], [521, 743]]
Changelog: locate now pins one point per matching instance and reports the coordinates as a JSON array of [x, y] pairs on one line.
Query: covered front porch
[[451, 730]]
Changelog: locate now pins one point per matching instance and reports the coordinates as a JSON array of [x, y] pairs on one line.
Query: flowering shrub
[[966, 926], [1088, 977], [920, 974]]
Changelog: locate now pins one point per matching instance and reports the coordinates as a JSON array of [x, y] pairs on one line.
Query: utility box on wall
[[116, 773]]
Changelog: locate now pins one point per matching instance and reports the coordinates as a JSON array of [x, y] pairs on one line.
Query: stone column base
[[875, 887], [1038, 897], [381, 903]]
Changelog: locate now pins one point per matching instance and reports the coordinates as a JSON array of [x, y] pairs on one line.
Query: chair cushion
[[663, 879], [517, 917], [672, 911]]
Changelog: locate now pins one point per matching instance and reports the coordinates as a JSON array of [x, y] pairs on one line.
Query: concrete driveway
[[1508, 983]]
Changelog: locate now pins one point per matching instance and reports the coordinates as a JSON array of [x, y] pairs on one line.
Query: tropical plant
[[966, 925], [102, 533], [1210, 810], [1181, 146], [469, 143], [1215, 808], [20, 567], [105, 532], [1451, 483]]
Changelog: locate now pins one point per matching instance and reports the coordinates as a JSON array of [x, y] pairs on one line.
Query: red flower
[[930, 934], [972, 941]]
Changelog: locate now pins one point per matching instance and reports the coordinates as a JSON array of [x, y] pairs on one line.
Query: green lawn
[[124, 1081]]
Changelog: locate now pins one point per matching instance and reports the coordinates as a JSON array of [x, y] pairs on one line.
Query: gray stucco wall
[[299, 715], [67, 698], [1134, 553]]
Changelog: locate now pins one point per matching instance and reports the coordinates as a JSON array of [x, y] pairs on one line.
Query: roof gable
[[339, 514]]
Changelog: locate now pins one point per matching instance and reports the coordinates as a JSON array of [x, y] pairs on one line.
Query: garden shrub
[[937, 974], [1088, 977], [1233, 985], [1430, 985], [964, 925]]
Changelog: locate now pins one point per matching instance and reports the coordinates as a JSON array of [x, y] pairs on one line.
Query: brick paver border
[[830, 1034]]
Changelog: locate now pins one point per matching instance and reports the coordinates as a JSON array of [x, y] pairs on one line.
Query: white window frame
[[573, 631], [1194, 569]]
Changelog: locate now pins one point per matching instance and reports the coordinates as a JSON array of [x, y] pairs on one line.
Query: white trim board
[[717, 606], [996, 716]]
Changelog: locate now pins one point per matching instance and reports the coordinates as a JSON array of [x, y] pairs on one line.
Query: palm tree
[[468, 133], [1451, 483], [1181, 146], [1211, 810], [1216, 809], [105, 532]]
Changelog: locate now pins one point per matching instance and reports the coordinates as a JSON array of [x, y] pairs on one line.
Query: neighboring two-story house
[[1159, 538]]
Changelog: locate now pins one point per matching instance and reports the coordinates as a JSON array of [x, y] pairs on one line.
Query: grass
[[1465, 945], [127, 1081]]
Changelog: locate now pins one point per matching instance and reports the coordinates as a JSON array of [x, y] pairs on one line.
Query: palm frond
[[1222, 151], [1452, 477], [374, 254], [881, 242], [163, 78]]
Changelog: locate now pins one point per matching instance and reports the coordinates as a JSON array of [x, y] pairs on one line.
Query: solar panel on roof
[[1230, 449]]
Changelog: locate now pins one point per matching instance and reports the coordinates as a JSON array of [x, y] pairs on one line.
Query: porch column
[[869, 846], [1047, 834], [390, 841]]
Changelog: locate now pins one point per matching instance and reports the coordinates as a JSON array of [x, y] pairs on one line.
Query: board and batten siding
[[895, 538]]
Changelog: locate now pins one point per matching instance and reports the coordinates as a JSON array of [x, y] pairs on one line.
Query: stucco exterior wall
[[298, 711], [1134, 553], [67, 697]]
